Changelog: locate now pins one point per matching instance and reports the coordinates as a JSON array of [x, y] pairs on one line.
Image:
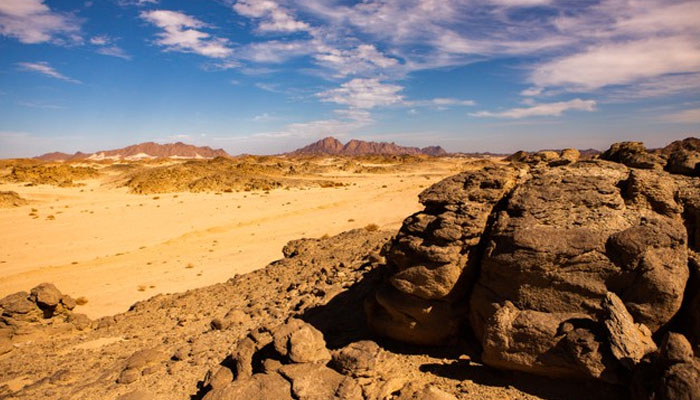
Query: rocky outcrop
[[434, 257], [683, 157], [559, 268], [550, 157], [633, 154], [23, 314]]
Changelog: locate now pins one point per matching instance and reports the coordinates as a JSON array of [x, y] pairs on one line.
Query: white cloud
[[273, 17], [364, 58], [543, 109], [107, 47], [45, 69], [99, 40], [32, 21], [264, 117], [114, 51], [691, 116], [620, 63], [274, 51], [179, 34], [364, 93]]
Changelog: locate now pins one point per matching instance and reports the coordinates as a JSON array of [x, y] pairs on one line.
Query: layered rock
[[433, 259]]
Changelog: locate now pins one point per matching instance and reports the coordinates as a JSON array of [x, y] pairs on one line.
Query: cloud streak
[[539, 110], [45, 69]]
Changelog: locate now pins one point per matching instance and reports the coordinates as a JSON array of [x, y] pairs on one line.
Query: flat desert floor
[[115, 248]]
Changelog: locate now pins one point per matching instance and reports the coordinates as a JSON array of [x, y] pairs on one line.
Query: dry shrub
[[372, 227]]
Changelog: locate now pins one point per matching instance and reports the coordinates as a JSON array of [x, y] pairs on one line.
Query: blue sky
[[271, 75]]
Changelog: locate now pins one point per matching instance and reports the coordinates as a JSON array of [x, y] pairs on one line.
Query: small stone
[[128, 376]]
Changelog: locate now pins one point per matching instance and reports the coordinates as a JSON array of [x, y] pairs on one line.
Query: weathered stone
[[357, 359], [317, 382], [685, 162], [629, 343], [632, 154], [256, 387], [300, 342], [433, 259], [17, 303], [566, 157], [567, 238], [674, 349], [46, 295], [218, 378]]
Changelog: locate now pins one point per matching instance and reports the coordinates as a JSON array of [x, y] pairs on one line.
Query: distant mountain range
[[148, 150], [332, 146], [327, 146]]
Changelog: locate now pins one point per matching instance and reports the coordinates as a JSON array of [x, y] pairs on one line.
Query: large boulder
[[633, 154], [567, 240]]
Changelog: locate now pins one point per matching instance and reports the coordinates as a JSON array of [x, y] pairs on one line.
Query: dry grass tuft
[[372, 227]]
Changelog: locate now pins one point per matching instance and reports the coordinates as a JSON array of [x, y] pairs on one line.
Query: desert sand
[[115, 248]]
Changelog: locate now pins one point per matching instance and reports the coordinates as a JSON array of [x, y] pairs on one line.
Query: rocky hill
[[332, 146], [148, 150]]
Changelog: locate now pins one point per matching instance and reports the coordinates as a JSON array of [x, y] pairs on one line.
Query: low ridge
[[354, 147], [147, 150]]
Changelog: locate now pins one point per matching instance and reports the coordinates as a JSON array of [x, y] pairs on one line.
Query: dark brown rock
[[257, 387], [300, 342], [434, 257], [46, 295], [317, 382], [357, 359], [632, 154]]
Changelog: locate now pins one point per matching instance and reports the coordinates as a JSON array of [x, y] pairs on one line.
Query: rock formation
[[557, 267], [23, 314], [332, 146], [140, 151]]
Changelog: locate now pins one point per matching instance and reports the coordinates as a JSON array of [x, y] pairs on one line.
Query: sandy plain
[[116, 248]]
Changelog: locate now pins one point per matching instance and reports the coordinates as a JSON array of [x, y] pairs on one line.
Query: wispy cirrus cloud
[[44, 68], [106, 46], [32, 21], [539, 110], [181, 32], [619, 63]]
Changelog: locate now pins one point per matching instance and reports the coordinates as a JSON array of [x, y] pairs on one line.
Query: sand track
[[116, 248]]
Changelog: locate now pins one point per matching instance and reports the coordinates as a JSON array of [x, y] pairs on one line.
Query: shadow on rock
[[545, 388]]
